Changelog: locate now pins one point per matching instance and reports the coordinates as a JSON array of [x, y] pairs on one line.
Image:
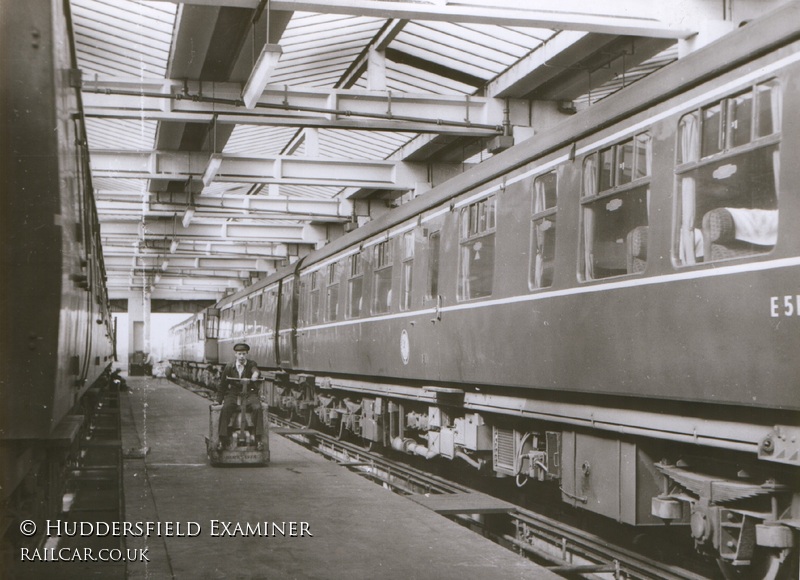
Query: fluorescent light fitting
[[265, 65], [187, 217], [164, 265], [173, 246], [214, 163]]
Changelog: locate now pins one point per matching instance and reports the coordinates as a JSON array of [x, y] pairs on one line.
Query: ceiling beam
[[380, 42], [116, 246], [173, 305], [354, 124], [573, 63], [251, 4], [216, 263], [185, 165], [255, 207], [232, 231], [624, 17], [631, 21], [132, 98], [401, 57]]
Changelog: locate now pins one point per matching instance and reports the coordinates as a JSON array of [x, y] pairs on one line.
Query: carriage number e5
[[789, 306]]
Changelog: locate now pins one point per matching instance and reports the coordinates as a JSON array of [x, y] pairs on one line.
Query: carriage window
[[238, 319], [313, 303], [382, 281], [355, 285], [768, 109], [727, 196], [476, 275], [286, 303], [433, 265], [543, 231], [212, 323], [250, 318], [615, 209], [332, 293], [225, 324], [408, 263]]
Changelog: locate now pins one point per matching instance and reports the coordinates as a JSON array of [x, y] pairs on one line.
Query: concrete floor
[[352, 528]]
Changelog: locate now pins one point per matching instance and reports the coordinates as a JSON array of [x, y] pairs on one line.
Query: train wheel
[[341, 433], [312, 421], [767, 565]]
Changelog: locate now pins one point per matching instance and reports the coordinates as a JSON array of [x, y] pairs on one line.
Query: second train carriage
[[612, 305], [57, 330]]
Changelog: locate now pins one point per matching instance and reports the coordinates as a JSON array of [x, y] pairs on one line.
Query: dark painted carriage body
[[56, 323], [708, 332], [703, 333], [56, 330]]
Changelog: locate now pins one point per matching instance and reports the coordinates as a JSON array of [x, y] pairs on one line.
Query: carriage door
[[286, 323]]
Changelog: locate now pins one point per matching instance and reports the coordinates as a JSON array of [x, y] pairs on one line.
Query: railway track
[[564, 549]]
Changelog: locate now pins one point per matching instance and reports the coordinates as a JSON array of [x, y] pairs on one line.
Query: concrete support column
[[139, 306]]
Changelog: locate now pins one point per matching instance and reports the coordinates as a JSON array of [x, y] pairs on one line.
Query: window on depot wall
[[355, 285], [476, 260], [727, 177], [615, 200], [382, 278], [332, 293], [543, 231]]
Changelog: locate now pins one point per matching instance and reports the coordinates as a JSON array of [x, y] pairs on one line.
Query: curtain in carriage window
[[689, 144], [768, 119], [589, 190], [476, 261], [543, 230]]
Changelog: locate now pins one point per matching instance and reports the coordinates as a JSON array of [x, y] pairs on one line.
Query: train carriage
[[58, 335], [611, 306]]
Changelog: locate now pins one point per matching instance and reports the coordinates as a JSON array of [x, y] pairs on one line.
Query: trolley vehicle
[[245, 446]]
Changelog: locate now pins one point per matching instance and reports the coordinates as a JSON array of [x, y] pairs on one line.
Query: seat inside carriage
[[730, 232], [726, 233]]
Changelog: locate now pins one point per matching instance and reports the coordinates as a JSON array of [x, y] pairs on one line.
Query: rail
[[561, 548]]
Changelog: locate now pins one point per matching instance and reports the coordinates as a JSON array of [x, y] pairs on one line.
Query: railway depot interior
[[367, 193]]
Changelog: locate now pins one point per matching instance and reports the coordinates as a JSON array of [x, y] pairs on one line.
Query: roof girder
[[207, 103], [637, 18], [186, 165]]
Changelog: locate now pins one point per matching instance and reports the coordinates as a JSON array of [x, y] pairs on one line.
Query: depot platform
[[329, 522]]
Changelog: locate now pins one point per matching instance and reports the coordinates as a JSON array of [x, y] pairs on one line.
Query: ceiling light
[[214, 163], [265, 65], [187, 217], [173, 246]]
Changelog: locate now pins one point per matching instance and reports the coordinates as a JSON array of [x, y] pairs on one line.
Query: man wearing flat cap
[[229, 390]]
